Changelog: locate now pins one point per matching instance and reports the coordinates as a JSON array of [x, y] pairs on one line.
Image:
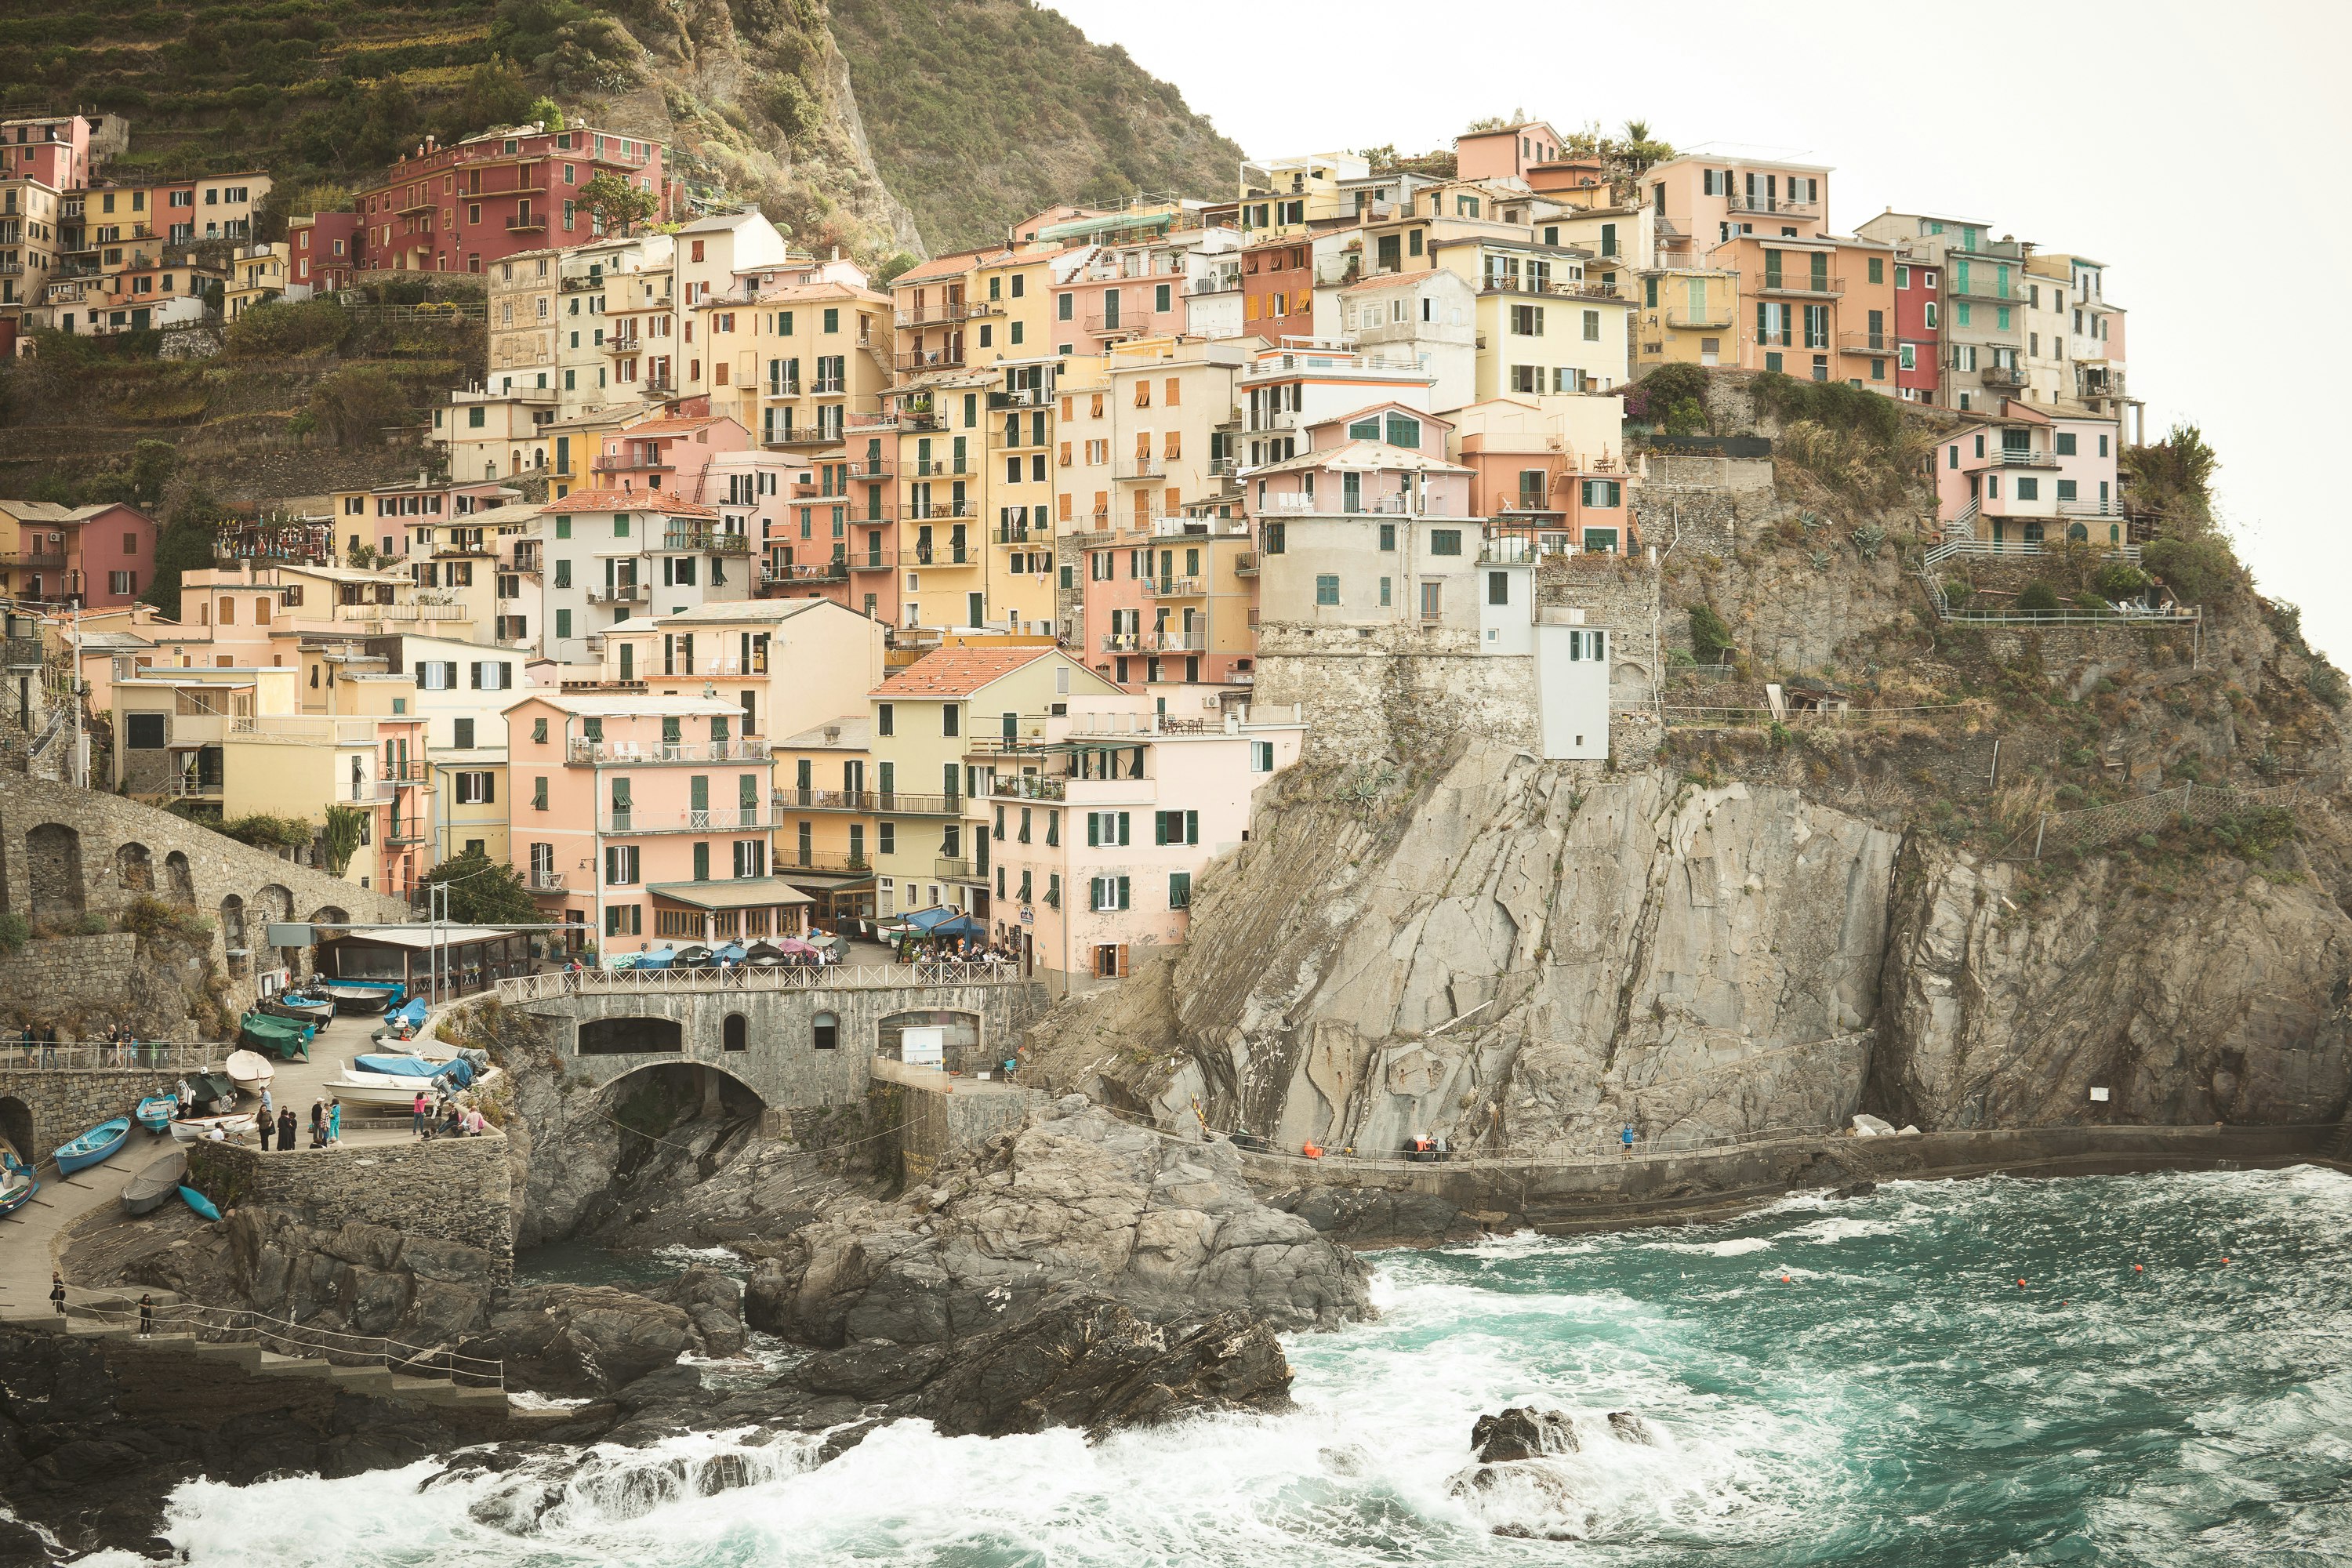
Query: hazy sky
[[2188, 146]]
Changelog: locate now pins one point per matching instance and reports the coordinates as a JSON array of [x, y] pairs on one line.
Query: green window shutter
[[1192, 828], [1122, 892], [697, 792], [1122, 828], [1159, 828], [1763, 323], [702, 862], [1094, 831]]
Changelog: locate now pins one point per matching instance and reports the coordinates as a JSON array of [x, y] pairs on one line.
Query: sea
[[2115, 1371]]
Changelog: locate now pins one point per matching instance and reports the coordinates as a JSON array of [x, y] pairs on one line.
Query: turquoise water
[[1826, 1382]]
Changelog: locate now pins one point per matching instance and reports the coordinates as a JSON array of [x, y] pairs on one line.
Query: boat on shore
[[92, 1147], [198, 1202], [284, 1038], [17, 1187], [364, 995], [380, 1089], [250, 1072], [235, 1127], [153, 1187], [299, 1007], [155, 1112]]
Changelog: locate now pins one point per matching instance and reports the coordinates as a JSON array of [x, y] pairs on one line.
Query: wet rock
[[713, 1303], [1858, 1189], [1629, 1427], [572, 1340], [1522, 1432]]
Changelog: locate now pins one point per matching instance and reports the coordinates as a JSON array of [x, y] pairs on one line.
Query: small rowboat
[[16, 1188], [155, 1112], [284, 1038], [251, 1070], [380, 1089], [198, 1202], [151, 1188], [364, 995], [97, 1145], [233, 1127]]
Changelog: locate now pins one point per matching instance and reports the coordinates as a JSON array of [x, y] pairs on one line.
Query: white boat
[[235, 1127], [251, 1070], [377, 1088]]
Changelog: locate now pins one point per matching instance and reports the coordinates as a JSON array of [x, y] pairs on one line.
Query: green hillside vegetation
[[983, 112]]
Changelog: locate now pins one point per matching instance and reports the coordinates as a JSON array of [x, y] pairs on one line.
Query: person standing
[[1626, 1137], [268, 1106], [286, 1129], [419, 1112], [335, 1121], [146, 1315], [57, 1293], [318, 1124], [267, 1128]]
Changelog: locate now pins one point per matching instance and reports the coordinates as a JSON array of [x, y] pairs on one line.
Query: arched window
[[825, 1032], [733, 1035]]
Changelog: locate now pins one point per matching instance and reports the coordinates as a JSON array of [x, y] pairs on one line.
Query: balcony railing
[[542, 881], [1009, 533], [618, 593], [873, 560], [2009, 457], [708, 541], [650, 751], [946, 314], [1818, 288], [850, 864], [1020, 397], [943, 556], [636, 819], [834, 571], [870, 802], [1779, 205], [2002, 374], [1245, 563], [525, 222], [938, 468], [959, 869], [43, 560], [1193, 641], [1705, 317], [1224, 283], [1866, 342], [1140, 469], [1172, 587], [928, 359], [648, 463]]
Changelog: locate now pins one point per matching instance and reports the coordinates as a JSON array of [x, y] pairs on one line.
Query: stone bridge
[[797, 1039]]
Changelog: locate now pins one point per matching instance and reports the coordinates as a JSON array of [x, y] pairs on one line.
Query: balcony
[[1780, 206], [1811, 286], [652, 752], [402, 613], [946, 314], [618, 593], [1565, 288], [1866, 342], [525, 222], [413, 830], [716, 819], [827, 386], [1976, 288], [706, 541], [544, 880], [628, 344], [2010, 458], [943, 556], [1139, 469], [921, 360], [1101, 324], [1023, 397], [858, 800], [39, 560], [1224, 283], [872, 467], [1195, 640], [1030, 786], [923, 511], [1245, 563], [786, 574], [823, 863], [1700, 317], [2011, 375], [958, 870], [1008, 533], [1173, 587], [649, 463], [780, 387], [938, 468]]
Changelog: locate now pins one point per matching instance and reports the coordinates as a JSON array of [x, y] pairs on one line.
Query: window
[[825, 1032], [1175, 827], [143, 732], [1326, 589], [2065, 440], [886, 718], [1180, 890], [538, 793], [1107, 894], [620, 864], [2027, 488], [464, 735], [477, 788], [1527, 321], [1499, 587], [1106, 829], [2066, 490], [1388, 536], [950, 719], [1603, 493], [1445, 542], [1432, 601], [1878, 270], [1261, 756]]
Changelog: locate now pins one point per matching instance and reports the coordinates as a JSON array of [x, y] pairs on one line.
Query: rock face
[[1522, 1432], [2229, 1007], [1525, 956], [1075, 1198], [1595, 952], [583, 1340]]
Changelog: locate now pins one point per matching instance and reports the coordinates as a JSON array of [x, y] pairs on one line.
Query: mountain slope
[[982, 112]]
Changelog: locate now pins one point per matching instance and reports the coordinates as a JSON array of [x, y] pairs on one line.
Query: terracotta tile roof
[[627, 500], [954, 265], [958, 671], [672, 427]]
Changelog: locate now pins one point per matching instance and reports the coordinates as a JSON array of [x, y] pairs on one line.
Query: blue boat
[[17, 1185], [93, 1146], [398, 1067], [198, 1202], [155, 1112]]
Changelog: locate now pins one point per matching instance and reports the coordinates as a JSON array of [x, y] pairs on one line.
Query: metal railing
[[95, 1056], [709, 819], [759, 977], [1710, 318], [882, 802], [1824, 287], [1139, 469], [228, 1325], [1030, 786], [665, 750]]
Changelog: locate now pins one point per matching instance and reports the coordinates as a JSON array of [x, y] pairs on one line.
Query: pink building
[[323, 249], [1703, 199], [1098, 831], [670, 455], [1507, 152], [93, 556], [645, 820], [1105, 294], [53, 149], [2030, 475]]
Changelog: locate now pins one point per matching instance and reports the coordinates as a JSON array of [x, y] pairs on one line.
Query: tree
[[1710, 639], [483, 891], [2173, 481], [184, 546], [2037, 598], [340, 835], [354, 405], [618, 206], [546, 111]]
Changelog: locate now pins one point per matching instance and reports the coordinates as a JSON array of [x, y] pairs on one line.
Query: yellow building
[[826, 814], [1689, 314], [1542, 327], [1280, 197], [256, 273], [800, 357], [936, 729]]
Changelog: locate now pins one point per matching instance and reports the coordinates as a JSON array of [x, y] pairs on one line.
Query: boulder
[[713, 1304], [574, 1339], [1522, 1432]]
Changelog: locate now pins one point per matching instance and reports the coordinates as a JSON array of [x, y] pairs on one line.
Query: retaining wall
[[457, 1189]]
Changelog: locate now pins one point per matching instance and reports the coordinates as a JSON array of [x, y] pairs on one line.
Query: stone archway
[[53, 866], [232, 930], [179, 882], [274, 903], [134, 868], [688, 1088], [16, 1126]]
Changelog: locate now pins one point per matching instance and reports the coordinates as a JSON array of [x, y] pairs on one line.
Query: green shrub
[[1957, 591], [264, 831], [151, 918], [280, 329], [1658, 399], [1710, 639], [14, 931], [2088, 600], [2119, 579], [2198, 570], [2038, 598]]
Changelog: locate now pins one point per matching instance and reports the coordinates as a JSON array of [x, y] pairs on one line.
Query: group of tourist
[[117, 1048], [449, 1119], [326, 1123]]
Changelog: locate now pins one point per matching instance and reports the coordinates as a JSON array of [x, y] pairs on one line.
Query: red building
[[460, 207], [325, 247], [95, 556], [1279, 290], [1918, 329]]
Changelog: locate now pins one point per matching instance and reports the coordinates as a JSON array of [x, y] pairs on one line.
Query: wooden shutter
[[1094, 831], [1122, 961]]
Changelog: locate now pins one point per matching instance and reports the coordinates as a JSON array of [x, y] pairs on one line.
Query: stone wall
[[1401, 690], [40, 1108], [68, 855], [458, 1190], [932, 1114], [85, 986]]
